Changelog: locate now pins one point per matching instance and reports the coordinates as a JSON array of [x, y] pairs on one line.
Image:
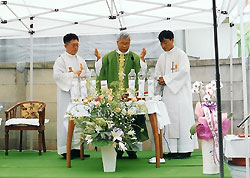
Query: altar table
[[158, 117]]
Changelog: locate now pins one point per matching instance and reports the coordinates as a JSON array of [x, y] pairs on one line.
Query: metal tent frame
[[20, 18]]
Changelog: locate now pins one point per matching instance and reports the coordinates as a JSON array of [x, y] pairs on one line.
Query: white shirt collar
[[119, 52], [171, 50], [70, 55]]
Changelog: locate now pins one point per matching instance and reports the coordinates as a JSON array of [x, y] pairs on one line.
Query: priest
[[174, 84], [117, 62], [67, 66]]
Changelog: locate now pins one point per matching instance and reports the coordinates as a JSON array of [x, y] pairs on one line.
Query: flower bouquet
[[207, 125], [110, 120]]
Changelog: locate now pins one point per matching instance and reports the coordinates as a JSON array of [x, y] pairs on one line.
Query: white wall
[[200, 42]]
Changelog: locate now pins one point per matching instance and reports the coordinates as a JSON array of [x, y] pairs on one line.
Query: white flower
[[110, 124], [130, 112], [197, 84], [195, 90], [213, 83], [207, 98], [198, 87], [131, 132], [133, 138], [97, 103], [206, 92], [89, 139], [124, 112], [98, 128], [214, 95], [117, 134], [122, 146], [210, 92], [209, 86]]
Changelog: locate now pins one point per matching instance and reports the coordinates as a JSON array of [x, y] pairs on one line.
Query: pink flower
[[198, 110], [202, 129]]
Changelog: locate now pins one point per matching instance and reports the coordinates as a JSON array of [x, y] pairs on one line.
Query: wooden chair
[[26, 115]]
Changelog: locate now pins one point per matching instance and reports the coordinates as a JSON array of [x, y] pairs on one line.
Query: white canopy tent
[[34, 18], [59, 17]]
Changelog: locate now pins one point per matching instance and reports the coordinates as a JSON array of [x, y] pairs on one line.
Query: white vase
[[108, 158], [210, 164]]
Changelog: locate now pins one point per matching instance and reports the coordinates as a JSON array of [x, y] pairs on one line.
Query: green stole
[[110, 68]]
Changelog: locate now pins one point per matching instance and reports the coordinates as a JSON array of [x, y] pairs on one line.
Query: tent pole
[[218, 90], [231, 75], [31, 72], [246, 130], [31, 67], [244, 85]]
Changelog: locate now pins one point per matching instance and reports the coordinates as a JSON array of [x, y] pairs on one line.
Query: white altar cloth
[[78, 109], [235, 147]]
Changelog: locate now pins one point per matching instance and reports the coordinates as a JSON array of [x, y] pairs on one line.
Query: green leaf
[[230, 115], [94, 135], [104, 134], [101, 143], [192, 129], [132, 146]]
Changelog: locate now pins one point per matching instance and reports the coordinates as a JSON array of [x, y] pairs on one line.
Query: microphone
[[132, 58]]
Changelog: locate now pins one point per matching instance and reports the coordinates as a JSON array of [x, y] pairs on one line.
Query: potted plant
[[207, 125]]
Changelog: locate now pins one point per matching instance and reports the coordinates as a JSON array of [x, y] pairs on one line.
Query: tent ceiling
[[58, 17]]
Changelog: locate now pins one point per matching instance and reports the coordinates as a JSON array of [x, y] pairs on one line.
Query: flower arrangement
[[110, 119], [206, 111]]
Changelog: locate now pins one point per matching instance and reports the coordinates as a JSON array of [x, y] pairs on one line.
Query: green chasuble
[[110, 67], [109, 72]]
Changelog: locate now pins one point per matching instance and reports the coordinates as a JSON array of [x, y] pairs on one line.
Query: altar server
[[174, 84], [67, 66]]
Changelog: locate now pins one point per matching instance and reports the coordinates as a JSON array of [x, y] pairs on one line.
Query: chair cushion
[[21, 121], [30, 110]]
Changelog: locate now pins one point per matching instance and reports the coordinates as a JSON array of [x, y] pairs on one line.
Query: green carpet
[[28, 164]]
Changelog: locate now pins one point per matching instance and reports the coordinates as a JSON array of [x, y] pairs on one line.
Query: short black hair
[[166, 34], [71, 36]]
